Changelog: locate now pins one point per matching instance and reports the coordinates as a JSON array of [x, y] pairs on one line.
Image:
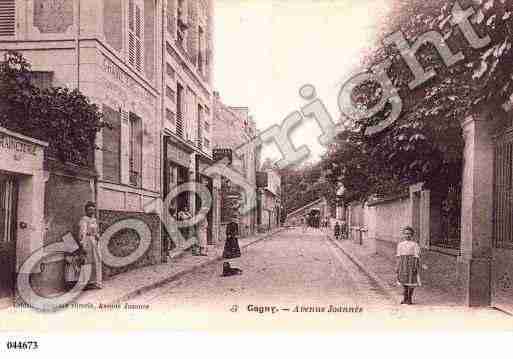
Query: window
[[7, 17], [191, 116], [135, 26], [179, 110], [170, 93], [200, 50], [112, 145], [41, 79], [135, 154], [200, 119], [182, 21], [170, 116]]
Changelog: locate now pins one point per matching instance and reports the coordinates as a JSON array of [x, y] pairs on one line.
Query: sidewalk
[[125, 286], [382, 270]]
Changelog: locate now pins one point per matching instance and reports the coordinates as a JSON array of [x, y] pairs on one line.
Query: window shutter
[[138, 36], [112, 145], [135, 34], [7, 18], [131, 49], [138, 55]]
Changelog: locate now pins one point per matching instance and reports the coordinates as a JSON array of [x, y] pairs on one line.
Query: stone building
[[148, 65], [233, 132], [187, 112], [269, 207]]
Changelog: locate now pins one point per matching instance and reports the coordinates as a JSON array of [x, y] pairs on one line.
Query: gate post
[[477, 210]]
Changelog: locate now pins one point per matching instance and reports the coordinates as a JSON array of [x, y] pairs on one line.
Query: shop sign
[[177, 155], [8, 143], [219, 153]]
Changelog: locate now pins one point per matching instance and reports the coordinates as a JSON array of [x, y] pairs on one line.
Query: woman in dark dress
[[231, 249], [231, 246]]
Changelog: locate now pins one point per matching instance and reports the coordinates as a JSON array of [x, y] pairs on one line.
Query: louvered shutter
[[131, 49], [112, 145], [7, 17], [138, 36], [135, 34]]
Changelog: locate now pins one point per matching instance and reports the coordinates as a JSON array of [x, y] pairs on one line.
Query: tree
[[425, 143], [65, 118]]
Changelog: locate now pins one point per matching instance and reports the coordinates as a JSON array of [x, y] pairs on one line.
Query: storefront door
[[8, 206]]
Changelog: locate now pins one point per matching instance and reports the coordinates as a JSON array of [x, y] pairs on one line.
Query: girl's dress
[[88, 230], [408, 253]]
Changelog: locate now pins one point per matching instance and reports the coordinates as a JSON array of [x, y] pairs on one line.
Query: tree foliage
[[65, 118], [425, 143]]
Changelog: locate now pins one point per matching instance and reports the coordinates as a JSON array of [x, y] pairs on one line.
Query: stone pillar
[[477, 211], [30, 211]]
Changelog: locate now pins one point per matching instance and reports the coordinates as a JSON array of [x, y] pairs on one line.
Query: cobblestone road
[[292, 268], [299, 274]]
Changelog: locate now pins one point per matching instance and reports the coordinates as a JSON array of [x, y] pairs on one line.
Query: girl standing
[[408, 264]]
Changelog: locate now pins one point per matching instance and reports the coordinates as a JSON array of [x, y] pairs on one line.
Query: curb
[[389, 291], [136, 292]]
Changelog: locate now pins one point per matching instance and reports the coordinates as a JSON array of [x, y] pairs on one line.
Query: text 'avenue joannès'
[[261, 309]]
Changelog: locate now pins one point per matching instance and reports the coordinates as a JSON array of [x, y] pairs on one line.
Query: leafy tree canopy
[[425, 143]]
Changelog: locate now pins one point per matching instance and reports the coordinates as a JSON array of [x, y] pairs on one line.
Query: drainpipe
[[163, 146], [77, 46]]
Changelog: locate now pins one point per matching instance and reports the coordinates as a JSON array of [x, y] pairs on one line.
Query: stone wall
[[67, 190], [387, 218]]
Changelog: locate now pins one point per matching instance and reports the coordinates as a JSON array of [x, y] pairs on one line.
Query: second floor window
[[135, 34], [201, 60], [7, 17]]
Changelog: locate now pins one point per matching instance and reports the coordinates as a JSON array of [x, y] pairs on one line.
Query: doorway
[[8, 220]]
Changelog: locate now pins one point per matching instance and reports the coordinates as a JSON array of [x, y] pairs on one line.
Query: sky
[[266, 50]]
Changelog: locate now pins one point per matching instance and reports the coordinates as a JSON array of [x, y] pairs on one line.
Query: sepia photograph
[[264, 166]]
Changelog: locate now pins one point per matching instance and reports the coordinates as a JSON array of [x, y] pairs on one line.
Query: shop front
[[22, 189], [178, 170], [202, 163]]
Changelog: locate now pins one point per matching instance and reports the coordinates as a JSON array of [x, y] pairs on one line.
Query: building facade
[[233, 132], [109, 50], [187, 112], [147, 64], [269, 207]]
